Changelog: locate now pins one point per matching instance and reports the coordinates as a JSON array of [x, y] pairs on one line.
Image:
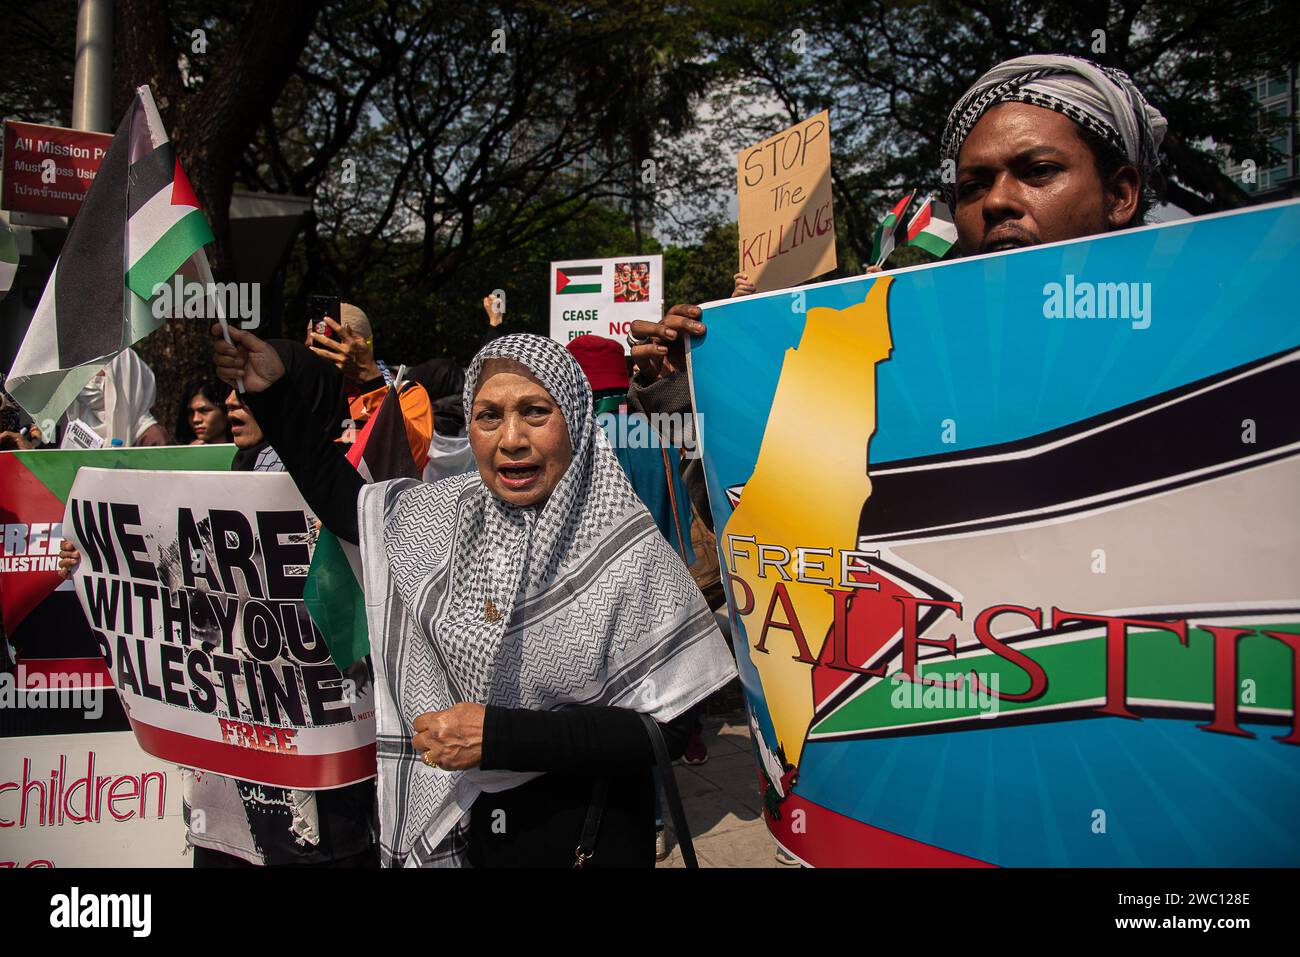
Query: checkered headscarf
[[1101, 99], [592, 607]]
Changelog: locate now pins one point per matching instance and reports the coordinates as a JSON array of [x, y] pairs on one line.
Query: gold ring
[[428, 759]]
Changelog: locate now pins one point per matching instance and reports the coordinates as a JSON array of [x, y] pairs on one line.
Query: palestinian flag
[[34, 487], [8, 260], [886, 232], [932, 228], [332, 592], [577, 280], [138, 225]]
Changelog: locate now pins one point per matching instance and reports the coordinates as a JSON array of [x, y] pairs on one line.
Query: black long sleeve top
[[538, 824]]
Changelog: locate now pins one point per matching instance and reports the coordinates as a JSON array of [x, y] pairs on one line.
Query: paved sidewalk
[[722, 801]]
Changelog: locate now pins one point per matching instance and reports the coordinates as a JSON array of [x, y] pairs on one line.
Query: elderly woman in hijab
[[520, 618], [1046, 148]]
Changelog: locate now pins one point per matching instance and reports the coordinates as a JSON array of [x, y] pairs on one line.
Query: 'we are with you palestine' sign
[[1011, 553], [192, 584]]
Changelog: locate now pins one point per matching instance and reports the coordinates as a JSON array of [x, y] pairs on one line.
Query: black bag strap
[[596, 810], [669, 780], [591, 826]]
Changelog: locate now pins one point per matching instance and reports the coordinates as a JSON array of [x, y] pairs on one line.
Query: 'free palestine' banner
[[1010, 550], [192, 584]]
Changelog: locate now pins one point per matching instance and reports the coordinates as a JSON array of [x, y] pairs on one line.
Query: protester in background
[[117, 403], [201, 417], [366, 379], [449, 449], [441, 378], [233, 823], [514, 638], [653, 468], [1048, 148], [1045, 148]]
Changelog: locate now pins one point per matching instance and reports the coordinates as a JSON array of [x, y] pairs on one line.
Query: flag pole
[[158, 136], [200, 260]]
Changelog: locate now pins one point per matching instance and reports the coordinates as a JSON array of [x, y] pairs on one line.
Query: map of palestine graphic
[[807, 489]]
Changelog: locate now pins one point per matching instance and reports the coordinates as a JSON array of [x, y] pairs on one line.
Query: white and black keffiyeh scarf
[[1100, 99], [595, 609]]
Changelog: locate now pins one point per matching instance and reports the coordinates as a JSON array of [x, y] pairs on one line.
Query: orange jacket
[[417, 411]]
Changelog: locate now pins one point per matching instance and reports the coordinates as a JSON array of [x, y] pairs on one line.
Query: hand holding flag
[[247, 359]]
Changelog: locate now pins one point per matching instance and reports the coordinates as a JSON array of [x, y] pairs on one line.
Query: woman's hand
[[743, 286], [350, 352], [453, 737], [250, 358], [68, 558]]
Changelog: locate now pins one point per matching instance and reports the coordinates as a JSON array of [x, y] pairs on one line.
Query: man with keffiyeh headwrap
[[1040, 149], [1046, 148]]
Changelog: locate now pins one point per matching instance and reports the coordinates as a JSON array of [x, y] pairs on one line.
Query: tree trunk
[[210, 129]]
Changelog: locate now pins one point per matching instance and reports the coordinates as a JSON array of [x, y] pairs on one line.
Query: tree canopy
[[457, 147]]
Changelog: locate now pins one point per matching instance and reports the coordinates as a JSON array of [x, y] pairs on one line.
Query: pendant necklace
[[491, 613]]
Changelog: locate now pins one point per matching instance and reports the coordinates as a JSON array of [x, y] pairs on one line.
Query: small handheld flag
[[332, 592], [886, 233], [932, 228]]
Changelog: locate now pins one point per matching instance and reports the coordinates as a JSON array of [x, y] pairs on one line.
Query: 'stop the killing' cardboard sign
[[787, 221]]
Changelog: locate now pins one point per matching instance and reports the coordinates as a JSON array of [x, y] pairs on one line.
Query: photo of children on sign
[[632, 282]]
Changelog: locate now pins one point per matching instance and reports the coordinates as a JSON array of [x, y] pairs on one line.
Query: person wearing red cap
[[603, 361], [650, 466]]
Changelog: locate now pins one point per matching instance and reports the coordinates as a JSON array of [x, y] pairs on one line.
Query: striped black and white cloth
[[1100, 99], [596, 609]]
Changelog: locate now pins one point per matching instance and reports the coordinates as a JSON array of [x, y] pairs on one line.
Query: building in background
[[1276, 98]]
